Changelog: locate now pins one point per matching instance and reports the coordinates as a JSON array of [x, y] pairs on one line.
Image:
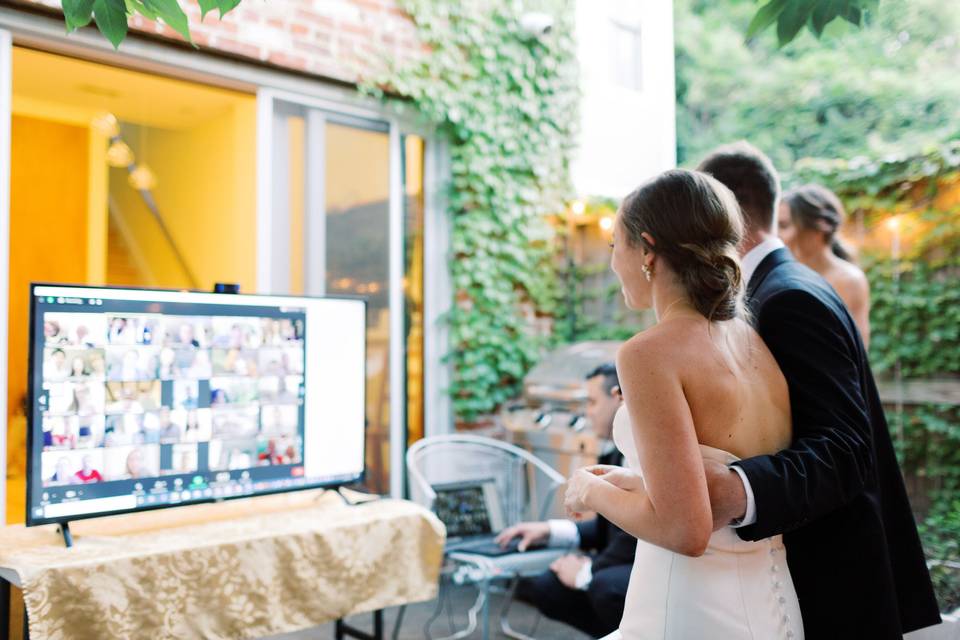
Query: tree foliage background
[[890, 87]]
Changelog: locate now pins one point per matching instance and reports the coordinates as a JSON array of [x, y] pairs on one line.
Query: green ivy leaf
[[792, 19], [823, 14], [138, 7], [111, 19], [206, 6], [853, 15], [765, 16], [172, 15], [77, 13], [226, 6], [223, 6]]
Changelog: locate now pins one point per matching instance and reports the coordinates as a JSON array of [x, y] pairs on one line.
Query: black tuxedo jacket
[[613, 545], [836, 494]]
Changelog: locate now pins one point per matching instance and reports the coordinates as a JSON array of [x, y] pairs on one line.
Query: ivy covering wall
[[507, 102]]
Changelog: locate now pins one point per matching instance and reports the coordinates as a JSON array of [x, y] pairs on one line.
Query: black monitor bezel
[[32, 521]]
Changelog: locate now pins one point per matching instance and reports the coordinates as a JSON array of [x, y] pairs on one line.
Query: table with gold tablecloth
[[239, 569]]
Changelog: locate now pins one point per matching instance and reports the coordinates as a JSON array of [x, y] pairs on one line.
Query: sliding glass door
[[346, 217]]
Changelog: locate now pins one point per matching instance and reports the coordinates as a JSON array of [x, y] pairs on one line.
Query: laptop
[[472, 514]]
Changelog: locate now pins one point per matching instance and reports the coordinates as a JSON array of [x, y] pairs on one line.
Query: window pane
[[358, 250], [296, 132], [413, 281]]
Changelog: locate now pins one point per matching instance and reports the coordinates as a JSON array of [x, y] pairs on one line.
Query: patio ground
[[523, 618]]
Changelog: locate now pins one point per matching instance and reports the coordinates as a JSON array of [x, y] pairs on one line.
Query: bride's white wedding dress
[[736, 590]]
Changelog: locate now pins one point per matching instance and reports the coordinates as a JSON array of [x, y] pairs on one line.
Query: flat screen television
[[144, 399]]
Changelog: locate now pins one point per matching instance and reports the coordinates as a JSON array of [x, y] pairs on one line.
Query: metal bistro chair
[[527, 489]]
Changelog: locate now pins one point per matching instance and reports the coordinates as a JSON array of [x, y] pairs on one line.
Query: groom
[[836, 494]]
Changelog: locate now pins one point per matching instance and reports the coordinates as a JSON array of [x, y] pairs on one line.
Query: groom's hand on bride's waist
[[728, 499]]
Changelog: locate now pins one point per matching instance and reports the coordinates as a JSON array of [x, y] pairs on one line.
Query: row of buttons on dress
[[781, 599]]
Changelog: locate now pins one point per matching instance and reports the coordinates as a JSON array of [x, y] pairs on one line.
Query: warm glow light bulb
[[142, 178], [119, 154], [106, 124], [893, 223], [578, 207], [606, 223]]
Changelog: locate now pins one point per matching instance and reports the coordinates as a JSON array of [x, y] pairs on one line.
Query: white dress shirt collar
[[750, 262]]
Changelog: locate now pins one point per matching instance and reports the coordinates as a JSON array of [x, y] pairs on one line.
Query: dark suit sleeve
[[830, 458], [620, 550], [589, 534]]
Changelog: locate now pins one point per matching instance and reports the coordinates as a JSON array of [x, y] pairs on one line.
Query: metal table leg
[[485, 615], [343, 630], [5, 606]]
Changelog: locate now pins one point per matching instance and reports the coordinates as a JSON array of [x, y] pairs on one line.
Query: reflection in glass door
[[338, 182], [414, 207], [357, 208]]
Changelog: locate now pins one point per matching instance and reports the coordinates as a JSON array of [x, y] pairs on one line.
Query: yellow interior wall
[[96, 207], [357, 153], [48, 242], [296, 139], [205, 161], [206, 193]]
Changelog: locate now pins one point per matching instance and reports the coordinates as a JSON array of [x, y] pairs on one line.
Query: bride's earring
[[648, 272]]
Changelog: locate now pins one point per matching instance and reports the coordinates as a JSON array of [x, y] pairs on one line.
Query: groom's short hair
[[752, 178], [609, 372]]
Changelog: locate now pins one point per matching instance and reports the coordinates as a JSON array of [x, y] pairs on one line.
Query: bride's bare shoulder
[[655, 347]]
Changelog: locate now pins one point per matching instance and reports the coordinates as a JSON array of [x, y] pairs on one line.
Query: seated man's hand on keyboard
[[530, 534]]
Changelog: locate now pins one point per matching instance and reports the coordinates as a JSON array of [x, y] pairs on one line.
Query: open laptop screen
[[468, 509]]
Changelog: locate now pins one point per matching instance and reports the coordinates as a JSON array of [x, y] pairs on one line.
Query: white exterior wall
[[627, 135]]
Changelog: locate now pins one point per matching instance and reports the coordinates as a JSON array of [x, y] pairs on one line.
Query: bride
[[699, 383]]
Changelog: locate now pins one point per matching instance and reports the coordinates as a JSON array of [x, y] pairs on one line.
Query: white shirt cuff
[[584, 576], [563, 533], [750, 516]]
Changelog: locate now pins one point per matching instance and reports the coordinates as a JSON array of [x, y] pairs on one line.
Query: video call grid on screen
[[144, 399]]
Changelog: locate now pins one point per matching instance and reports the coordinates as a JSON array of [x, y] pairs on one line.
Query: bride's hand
[[601, 469], [576, 496], [620, 477]]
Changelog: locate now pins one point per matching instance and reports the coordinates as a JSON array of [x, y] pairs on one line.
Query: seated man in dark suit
[[586, 591]]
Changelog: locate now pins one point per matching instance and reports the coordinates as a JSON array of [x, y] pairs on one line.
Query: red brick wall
[[340, 39]]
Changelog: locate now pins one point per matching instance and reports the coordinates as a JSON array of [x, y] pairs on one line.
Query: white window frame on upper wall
[[46, 33]]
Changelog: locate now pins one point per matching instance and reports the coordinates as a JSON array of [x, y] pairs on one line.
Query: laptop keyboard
[[487, 547]]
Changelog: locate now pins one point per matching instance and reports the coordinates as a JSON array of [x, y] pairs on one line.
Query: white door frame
[[6, 110]]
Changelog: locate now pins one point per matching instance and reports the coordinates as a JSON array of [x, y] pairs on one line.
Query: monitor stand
[[353, 498], [67, 536]]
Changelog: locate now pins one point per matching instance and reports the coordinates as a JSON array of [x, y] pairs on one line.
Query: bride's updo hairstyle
[[696, 225]]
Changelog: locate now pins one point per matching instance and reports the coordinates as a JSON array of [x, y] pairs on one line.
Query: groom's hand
[[728, 500], [567, 567]]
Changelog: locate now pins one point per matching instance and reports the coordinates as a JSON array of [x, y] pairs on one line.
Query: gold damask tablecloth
[[238, 569]]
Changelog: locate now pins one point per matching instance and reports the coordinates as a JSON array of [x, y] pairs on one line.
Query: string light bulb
[[142, 178], [578, 207], [606, 223], [893, 224], [119, 154], [106, 124]]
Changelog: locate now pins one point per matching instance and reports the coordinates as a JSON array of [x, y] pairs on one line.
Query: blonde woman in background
[[809, 219]]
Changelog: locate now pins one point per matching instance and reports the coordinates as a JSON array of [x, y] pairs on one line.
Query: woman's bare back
[[738, 397]]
